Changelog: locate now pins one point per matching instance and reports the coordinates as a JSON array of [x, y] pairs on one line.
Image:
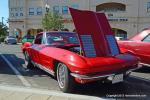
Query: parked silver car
[[10, 40]]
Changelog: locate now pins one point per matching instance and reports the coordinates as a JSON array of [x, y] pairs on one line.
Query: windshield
[[11, 37], [62, 38], [28, 37]]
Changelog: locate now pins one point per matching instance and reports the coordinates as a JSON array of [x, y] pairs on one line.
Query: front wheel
[[28, 63], [5, 42], [65, 80]]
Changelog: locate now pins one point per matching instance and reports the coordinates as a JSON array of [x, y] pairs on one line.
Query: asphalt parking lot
[[136, 86]]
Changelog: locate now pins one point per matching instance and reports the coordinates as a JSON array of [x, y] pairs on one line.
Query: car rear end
[[113, 68], [11, 40]]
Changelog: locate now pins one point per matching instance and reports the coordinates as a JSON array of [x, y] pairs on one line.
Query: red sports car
[[59, 54], [139, 45], [91, 54]]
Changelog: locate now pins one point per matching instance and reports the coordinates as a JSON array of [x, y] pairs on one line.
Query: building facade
[[126, 17]]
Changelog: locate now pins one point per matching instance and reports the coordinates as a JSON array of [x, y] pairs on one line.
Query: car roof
[[11, 36], [141, 35]]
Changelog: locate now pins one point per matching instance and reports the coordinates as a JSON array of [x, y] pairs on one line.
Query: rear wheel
[[126, 75], [65, 80], [28, 63]]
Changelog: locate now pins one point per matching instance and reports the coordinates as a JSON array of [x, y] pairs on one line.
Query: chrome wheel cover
[[61, 76], [26, 58]]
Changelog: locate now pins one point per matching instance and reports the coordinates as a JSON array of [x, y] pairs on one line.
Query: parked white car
[[10, 40]]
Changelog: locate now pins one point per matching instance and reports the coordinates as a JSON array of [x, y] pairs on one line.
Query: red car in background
[[91, 54], [139, 44]]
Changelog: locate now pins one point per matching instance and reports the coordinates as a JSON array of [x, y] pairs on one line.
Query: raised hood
[[95, 34]]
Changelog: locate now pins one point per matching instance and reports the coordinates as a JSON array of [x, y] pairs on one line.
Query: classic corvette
[[80, 57], [139, 44]]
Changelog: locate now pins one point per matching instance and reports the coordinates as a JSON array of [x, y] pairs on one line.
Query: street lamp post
[[47, 10]]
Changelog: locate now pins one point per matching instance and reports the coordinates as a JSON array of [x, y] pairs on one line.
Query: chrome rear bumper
[[88, 77]]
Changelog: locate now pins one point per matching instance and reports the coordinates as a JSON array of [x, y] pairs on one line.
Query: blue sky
[[4, 10]]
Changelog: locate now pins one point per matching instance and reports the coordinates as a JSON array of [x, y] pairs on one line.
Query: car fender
[[73, 60], [25, 46]]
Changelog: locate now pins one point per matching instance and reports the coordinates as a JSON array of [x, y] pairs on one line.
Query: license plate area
[[117, 78]]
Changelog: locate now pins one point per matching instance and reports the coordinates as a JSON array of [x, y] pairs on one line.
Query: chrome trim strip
[[100, 76], [145, 64], [90, 77], [45, 38], [45, 69]]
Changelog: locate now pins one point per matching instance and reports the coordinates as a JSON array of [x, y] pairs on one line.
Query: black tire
[[126, 76], [28, 62], [68, 83], [5, 42]]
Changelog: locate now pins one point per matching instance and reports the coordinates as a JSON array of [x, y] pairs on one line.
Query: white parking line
[[18, 74]]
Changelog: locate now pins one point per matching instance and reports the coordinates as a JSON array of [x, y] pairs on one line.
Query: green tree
[[3, 30], [52, 21]]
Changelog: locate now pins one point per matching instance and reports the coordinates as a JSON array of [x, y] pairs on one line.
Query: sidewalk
[[23, 93]]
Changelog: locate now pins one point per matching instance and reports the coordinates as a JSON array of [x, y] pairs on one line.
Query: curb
[[46, 92]]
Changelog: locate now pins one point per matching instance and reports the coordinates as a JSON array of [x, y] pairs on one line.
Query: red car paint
[[97, 59], [47, 55], [138, 46]]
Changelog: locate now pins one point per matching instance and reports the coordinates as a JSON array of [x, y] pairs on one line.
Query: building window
[[12, 14], [16, 9], [56, 9], [21, 14], [21, 9], [111, 7], [39, 11], [75, 6], [16, 14], [11, 9], [64, 10], [31, 11], [148, 6]]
